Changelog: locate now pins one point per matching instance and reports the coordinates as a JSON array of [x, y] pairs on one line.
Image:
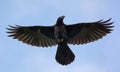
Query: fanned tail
[[64, 54]]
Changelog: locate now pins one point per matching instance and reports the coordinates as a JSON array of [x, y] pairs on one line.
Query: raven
[[61, 34]]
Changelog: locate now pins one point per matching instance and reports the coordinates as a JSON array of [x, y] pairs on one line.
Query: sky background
[[99, 56]]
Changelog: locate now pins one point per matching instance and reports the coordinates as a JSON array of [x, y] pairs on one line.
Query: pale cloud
[[41, 62], [35, 62], [89, 68], [23, 8]]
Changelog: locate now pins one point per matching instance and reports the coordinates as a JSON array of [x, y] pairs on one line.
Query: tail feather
[[64, 55]]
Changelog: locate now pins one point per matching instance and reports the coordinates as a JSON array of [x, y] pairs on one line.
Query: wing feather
[[83, 33], [33, 35]]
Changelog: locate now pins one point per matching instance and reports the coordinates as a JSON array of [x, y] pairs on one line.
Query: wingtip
[[11, 26], [105, 20], [100, 20], [17, 25]]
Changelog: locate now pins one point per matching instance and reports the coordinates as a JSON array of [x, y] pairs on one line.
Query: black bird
[[61, 34]]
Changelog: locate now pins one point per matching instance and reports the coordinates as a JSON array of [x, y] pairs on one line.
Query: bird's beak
[[62, 17]]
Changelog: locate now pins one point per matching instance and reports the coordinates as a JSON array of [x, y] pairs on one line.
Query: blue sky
[[100, 56]]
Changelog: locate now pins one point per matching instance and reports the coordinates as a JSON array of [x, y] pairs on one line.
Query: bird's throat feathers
[[59, 23]]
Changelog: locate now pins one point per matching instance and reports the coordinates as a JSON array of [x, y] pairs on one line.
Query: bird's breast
[[60, 33]]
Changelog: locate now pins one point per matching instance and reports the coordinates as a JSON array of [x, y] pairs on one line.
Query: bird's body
[[64, 55], [61, 34]]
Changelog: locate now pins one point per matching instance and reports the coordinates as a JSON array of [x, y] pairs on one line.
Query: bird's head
[[60, 20]]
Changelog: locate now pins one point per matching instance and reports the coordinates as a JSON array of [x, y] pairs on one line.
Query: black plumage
[[61, 34]]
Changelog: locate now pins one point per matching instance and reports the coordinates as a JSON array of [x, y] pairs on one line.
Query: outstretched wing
[[33, 35], [83, 33]]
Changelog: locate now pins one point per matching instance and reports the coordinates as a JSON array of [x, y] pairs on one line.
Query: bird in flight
[[61, 34]]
